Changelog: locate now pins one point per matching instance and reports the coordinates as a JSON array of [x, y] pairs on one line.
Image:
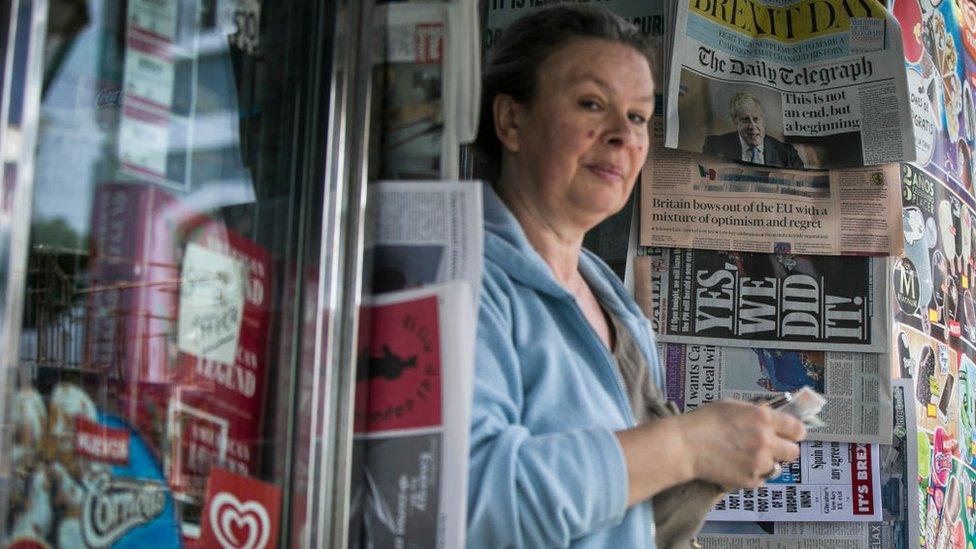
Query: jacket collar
[[507, 247]]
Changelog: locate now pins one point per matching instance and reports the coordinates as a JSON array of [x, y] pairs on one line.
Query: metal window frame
[[19, 151], [340, 279]]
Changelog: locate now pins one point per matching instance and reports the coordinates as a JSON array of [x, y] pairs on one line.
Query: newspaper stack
[[897, 528], [415, 369], [794, 84]]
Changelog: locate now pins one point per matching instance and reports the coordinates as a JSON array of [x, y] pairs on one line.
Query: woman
[[566, 372]]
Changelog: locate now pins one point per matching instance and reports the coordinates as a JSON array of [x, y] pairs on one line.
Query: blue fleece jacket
[[546, 469]]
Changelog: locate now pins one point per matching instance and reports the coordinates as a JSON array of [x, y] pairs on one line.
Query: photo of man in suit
[[750, 142]]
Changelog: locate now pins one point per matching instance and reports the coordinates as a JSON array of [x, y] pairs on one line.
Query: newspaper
[[830, 481], [823, 83], [856, 385], [647, 16], [898, 529], [431, 77], [425, 233], [692, 200], [771, 301], [417, 75], [412, 413]]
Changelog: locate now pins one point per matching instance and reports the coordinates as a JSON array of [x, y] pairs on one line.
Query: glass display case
[[181, 374]]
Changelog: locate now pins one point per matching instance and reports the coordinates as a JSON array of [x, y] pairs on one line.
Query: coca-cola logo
[[109, 97], [239, 525], [115, 506]]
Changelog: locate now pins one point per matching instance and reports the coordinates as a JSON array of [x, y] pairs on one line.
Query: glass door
[[174, 383]]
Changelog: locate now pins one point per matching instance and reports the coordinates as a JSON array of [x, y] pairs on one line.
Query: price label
[[149, 73]]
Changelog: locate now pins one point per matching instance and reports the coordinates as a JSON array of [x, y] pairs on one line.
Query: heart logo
[[239, 525]]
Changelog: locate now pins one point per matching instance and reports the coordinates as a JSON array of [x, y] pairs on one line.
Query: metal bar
[[340, 280], [342, 367], [35, 25]]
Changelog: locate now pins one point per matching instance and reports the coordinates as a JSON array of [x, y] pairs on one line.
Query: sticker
[[923, 116], [240, 512], [211, 304], [906, 286]]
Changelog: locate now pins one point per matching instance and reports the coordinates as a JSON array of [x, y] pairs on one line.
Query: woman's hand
[[736, 444], [732, 444]]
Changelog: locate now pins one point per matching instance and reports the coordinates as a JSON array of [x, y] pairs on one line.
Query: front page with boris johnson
[[822, 82]]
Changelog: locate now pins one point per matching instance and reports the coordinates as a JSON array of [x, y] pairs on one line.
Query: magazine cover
[[413, 398]]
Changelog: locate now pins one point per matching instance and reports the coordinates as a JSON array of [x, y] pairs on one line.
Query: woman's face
[[581, 143]]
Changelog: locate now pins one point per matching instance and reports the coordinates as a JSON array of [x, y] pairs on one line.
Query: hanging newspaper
[[856, 385], [425, 232], [794, 84], [413, 396], [899, 525], [648, 273], [418, 74], [692, 200], [822, 303], [830, 481]]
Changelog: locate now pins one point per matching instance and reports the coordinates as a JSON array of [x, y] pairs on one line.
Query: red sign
[[240, 512], [861, 479], [27, 543], [909, 15], [224, 399], [429, 43], [100, 443]]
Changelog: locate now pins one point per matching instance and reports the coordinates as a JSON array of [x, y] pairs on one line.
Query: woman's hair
[[513, 68]]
